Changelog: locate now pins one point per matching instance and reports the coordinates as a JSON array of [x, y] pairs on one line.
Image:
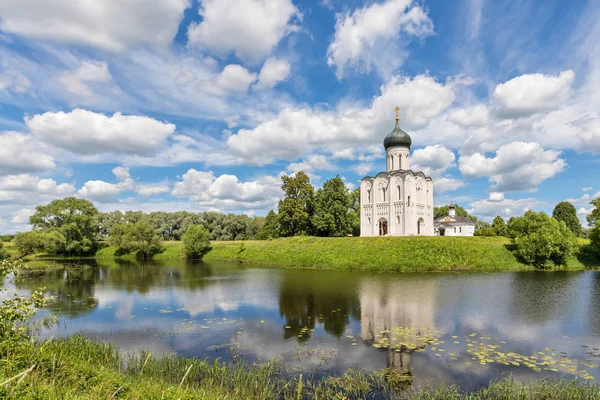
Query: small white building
[[453, 225], [398, 202]]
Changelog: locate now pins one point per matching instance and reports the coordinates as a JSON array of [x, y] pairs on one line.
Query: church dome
[[397, 137]]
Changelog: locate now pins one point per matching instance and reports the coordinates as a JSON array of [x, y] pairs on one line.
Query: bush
[[196, 242], [3, 253], [140, 237], [50, 241], [489, 232], [542, 241]]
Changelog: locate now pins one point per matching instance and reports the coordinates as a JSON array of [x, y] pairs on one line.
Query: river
[[463, 328]]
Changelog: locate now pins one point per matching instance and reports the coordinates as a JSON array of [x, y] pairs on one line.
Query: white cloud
[[296, 132], [20, 153], [14, 81], [488, 209], [77, 81], [121, 173], [87, 132], [22, 216], [432, 160], [532, 93], [249, 28], [29, 183], [370, 35], [272, 72], [444, 185], [585, 199], [516, 166], [227, 192], [102, 191], [587, 189], [151, 190], [112, 25], [470, 117], [233, 79], [364, 168], [314, 162], [496, 196]]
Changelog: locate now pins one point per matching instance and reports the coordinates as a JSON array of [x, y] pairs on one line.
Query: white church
[[398, 202]]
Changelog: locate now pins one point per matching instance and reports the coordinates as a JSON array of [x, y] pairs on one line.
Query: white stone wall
[[401, 199], [397, 158], [461, 230]]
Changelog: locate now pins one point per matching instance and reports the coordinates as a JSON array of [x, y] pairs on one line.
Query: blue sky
[[203, 104]]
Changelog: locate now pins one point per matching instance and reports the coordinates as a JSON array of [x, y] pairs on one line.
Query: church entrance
[[383, 227], [420, 226]]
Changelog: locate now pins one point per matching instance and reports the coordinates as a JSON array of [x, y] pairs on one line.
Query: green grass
[[77, 368], [394, 254]]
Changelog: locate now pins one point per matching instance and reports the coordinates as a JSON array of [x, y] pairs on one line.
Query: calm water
[[331, 321]]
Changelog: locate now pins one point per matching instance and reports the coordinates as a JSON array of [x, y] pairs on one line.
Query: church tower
[[397, 148], [399, 201]]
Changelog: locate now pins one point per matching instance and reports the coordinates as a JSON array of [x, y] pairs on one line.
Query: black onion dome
[[397, 137]]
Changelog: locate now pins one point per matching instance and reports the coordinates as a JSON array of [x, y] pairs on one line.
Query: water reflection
[[419, 327]]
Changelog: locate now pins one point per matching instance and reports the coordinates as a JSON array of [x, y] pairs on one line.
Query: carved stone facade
[[398, 202]]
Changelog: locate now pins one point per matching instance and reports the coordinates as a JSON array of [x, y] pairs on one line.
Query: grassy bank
[[77, 368], [375, 254]]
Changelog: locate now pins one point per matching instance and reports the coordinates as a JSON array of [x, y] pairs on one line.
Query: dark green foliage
[[296, 207], [75, 219], [3, 252], [594, 216], [139, 237], [50, 241], [499, 227], [7, 238], [542, 241], [270, 228], [196, 242], [331, 204], [565, 211], [442, 211], [487, 231], [354, 212]]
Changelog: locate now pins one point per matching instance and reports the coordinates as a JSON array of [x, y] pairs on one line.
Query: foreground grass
[[77, 368]]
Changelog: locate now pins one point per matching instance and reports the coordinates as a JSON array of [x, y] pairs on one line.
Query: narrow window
[[369, 196], [397, 219], [455, 230], [368, 220], [409, 201], [460, 229], [382, 194], [399, 193]]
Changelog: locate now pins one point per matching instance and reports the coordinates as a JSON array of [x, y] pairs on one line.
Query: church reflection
[[386, 306]]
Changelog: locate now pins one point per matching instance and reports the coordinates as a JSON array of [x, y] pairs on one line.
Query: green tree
[[196, 242], [119, 238], [270, 229], [143, 238], [354, 211], [3, 252], [594, 216], [295, 209], [331, 205], [49, 241], [499, 226], [565, 211], [485, 231], [442, 211], [542, 241], [76, 219], [107, 220]]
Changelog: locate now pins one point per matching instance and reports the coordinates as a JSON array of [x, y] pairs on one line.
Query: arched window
[[392, 162], [397, 219], [408, 201], [368, 195], [460, 229], [399, 192], [368, 220], [383, 194]]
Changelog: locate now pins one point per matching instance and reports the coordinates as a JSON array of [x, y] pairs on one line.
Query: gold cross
[[397, 109]]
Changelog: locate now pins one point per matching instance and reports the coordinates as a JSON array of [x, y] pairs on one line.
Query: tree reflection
[[328, 297]]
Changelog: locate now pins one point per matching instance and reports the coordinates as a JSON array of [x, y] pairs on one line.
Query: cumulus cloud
[[20, 153], [432, 160], [445, 185], [295, 132], [121, 173], [103, 191], [233, 79], [151, 190], [470, 117], [516, 166], [86, 132], [370, 36], [28, 189], [249, 28], [78, 80], [114, 26], [226, 191], [532, 93], [587, 189], [506, 208], [272, 72]]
